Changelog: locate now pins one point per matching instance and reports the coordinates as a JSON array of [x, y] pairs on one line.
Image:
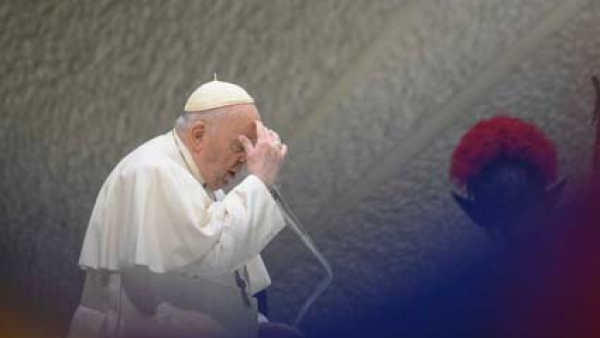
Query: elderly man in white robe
[[167, 252]]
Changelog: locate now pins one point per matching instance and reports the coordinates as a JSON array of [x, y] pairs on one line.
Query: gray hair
[[187, 119]]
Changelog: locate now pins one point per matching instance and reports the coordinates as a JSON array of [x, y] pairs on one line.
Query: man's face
[[222, 155]]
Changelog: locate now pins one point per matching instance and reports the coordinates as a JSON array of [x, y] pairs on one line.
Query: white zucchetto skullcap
[[216, 94]]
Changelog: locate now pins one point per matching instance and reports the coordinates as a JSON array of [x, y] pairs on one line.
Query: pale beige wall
[[371, 96]]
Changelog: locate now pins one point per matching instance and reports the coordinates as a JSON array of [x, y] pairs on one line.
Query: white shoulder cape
[[152, 211]]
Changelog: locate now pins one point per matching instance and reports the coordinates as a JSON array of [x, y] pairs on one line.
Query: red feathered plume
[[506, 137]]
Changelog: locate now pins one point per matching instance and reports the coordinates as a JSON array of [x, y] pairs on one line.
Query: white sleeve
[[248, 218]]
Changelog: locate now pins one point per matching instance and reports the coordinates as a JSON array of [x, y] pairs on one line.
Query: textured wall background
[[371, 97]]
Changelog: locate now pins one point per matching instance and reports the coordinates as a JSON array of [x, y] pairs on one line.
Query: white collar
[[187, 158]]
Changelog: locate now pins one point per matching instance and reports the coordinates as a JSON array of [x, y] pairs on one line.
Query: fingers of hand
[[275, 140], [261, 132], [266, 156], [246, 143], [274, 136], [268, 137]]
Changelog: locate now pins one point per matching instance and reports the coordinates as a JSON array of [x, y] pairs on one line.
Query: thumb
[[246, 143]]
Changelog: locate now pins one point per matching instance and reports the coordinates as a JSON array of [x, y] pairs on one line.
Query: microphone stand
[[296, 226]]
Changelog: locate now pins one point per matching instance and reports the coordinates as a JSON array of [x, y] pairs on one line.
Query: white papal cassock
[[165, 257]]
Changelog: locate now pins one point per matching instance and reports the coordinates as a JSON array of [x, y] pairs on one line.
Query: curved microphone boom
[[295, 225]]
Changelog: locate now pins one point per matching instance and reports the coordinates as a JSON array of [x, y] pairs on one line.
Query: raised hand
[[265, 158]]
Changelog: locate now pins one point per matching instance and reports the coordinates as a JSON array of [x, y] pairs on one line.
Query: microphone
[[296, 226]]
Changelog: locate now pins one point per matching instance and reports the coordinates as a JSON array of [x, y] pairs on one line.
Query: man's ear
[[197, 133], [468, 206], [552, 194]]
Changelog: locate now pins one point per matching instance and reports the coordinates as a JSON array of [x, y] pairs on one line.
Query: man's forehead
[[246, 109], [248, 130], [241, 120]]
